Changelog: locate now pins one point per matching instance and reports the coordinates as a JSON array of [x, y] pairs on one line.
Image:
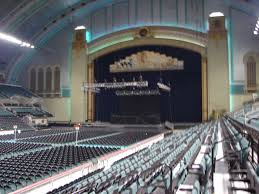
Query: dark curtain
[[182, 104]]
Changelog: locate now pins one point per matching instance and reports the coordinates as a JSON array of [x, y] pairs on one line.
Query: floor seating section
[[183, 162], [122, 139], [11, 148], [24, 169], [36, 155], [67, 137], [34, 134], [147, 171]]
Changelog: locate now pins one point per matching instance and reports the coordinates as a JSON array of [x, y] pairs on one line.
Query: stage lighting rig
[[115, 85], [137, 92], [164, 87]]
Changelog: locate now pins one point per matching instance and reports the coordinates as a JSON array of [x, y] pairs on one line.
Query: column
[[204, 68], [218, 71], [52, 81], [78, 76], [90, 94]]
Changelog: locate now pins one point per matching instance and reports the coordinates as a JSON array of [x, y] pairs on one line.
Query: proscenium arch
[[162, 36], [159, 35]]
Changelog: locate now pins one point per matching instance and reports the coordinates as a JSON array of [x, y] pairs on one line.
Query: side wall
[[242, 41], [113, 17], [59, 107]]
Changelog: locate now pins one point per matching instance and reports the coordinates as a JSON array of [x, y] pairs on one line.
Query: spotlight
[[163, 87], [255, 33]]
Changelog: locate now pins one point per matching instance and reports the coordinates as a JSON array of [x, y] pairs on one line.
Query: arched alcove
[[40, 81], [33, 80], [57, 81], [48, 81]]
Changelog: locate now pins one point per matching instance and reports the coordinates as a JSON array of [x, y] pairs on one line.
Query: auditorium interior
[[129, 97]]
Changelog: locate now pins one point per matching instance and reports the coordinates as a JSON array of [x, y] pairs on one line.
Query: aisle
[[221, 176]]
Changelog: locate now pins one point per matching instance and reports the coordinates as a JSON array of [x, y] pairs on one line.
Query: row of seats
[[5, 113], [122, 139], [7, 123], [37, 133], [248, 125], [24, 169], [66, 137], [12, 147], [240, 142], [200, 171], [237, 149], [146, 171], [10, 90], [22, 111]]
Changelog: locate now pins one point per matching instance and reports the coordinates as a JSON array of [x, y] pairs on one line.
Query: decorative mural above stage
[[147, 61]]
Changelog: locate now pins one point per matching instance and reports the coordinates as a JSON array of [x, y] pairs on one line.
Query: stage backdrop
[[182, 104]]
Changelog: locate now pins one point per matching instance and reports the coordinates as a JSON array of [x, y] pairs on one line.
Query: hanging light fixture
[[115, 84], [15, 40], [137, 92]]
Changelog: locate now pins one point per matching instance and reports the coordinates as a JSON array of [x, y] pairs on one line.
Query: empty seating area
[[5, 113], [235, 154], [158, 169], [7, 123], [122, 139], [36, 155], [66, 137], [243, 149], [29, 134], [185, 161], [12, 90], [10, 148], [249, 114], [22, 111], [24, 169], [200, 168]]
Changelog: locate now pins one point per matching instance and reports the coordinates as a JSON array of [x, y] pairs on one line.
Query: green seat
[[196, 188]]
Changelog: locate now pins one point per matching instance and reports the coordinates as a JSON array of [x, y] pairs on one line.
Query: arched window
[[33, 80], [251, 75], [49, 81], [57, 80], [40, 81]]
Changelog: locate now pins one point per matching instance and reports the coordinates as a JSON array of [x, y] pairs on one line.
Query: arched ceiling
[[35, 20]]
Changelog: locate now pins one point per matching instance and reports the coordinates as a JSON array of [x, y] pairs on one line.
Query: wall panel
[[120, 16], [143, 14], [169, 12], [99, 23], [194, 14]]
